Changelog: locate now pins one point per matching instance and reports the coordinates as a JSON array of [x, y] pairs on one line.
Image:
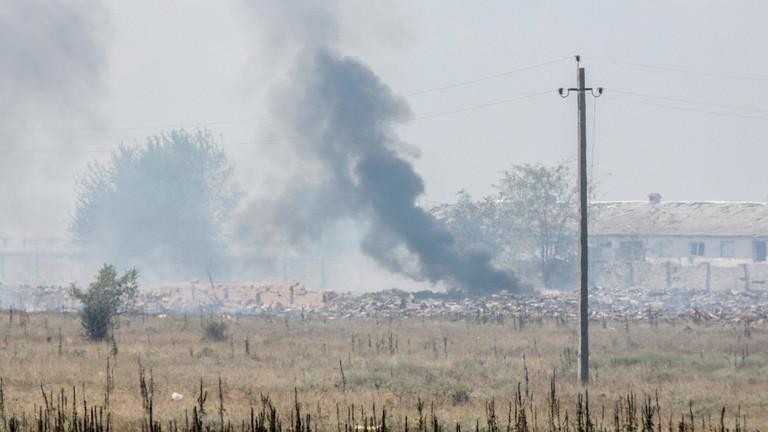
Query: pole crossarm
[[565, 92]]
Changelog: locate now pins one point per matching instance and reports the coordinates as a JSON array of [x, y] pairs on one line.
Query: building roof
[[682, 218]]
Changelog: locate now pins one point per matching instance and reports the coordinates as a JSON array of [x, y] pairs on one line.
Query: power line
[[689, 101], [274, 141], [679, 108], [485, 105], [272, 117], [485, 78], [35, 150], [432, 90], [136, 128], [88, 150], [679, 70]]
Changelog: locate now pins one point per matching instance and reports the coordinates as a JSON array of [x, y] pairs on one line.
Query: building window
[[631, 250], [697, 248], [760, 250], [727, 248]]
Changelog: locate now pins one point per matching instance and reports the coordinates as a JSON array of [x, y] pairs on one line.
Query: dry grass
[[457, 366]]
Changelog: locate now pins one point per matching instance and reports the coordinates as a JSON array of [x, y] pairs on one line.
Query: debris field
[[744, 305]]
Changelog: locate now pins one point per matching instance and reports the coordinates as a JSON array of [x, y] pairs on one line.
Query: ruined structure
[[719, 232]]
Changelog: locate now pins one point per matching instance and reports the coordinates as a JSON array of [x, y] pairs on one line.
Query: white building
[[704, 231]]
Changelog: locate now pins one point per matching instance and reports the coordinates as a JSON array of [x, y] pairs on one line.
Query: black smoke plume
[[340, 119]]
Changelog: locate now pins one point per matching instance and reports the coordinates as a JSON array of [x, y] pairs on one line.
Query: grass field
[[455, 367]]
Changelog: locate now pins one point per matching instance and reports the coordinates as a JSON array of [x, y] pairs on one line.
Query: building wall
[[687, 276], [637, 248]]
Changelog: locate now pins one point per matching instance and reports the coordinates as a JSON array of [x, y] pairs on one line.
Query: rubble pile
[[624, 304], [394, 303], [742, 305], [231, 298], [695, 305]]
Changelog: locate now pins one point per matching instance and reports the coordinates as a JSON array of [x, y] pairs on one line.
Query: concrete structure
[[717, 232]]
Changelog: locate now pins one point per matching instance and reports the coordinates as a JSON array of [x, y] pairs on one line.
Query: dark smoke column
[[341, 118]]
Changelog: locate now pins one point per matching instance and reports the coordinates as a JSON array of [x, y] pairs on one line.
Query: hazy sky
[[208, 63]]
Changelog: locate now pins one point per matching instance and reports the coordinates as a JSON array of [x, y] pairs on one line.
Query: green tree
[[473, 223], [531, 218], [536, 206], [163, 204], [105, 298]]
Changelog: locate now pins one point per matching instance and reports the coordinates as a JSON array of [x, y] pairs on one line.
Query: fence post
[[746, 276], [709, 276]]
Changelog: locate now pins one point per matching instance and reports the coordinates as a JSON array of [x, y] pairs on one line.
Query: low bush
[[215, 330], [105, 298]]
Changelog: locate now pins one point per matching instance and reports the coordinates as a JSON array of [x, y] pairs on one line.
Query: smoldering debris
[[292, 299], [629, 304]]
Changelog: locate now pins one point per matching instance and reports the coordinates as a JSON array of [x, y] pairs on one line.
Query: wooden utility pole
[[581, 90]]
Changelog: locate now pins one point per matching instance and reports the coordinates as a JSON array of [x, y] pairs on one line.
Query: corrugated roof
[[686, 218]]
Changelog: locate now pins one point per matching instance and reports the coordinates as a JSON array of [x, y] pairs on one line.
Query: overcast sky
[[207, 63]]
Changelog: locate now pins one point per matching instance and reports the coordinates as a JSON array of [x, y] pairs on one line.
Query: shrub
[[215, 330], [106, 297], [460, 396]]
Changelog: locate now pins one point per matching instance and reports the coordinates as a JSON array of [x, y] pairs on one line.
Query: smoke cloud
[[53, 58], [339, 118]]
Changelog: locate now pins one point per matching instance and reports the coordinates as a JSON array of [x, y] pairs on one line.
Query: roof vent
[[654, 198]]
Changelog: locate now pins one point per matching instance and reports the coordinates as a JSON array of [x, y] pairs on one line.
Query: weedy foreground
[[180, 372]]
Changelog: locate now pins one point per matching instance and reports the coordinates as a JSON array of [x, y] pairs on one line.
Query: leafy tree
[[106, 297], [530, 218], [537, 207], [162, 203], [473, 223]]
